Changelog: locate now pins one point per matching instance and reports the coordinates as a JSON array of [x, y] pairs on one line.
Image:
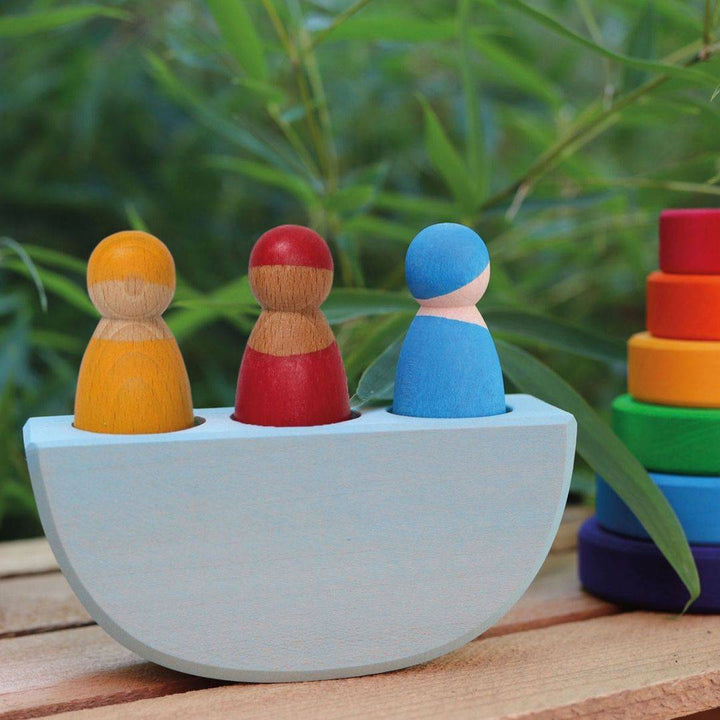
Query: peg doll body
[[448, 364]]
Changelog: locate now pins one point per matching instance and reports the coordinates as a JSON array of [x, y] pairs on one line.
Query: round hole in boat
[[508, 409], [197, 421], [354, 414]]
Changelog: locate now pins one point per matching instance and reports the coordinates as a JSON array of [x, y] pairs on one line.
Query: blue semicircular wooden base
[[634, 572], [694, 498], [265, 554]]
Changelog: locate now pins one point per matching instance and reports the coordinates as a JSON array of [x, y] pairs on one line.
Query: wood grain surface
[[601, 668], [25, 557], [37, 604]]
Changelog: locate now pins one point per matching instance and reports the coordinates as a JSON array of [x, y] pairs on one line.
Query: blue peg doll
[[448, 364]]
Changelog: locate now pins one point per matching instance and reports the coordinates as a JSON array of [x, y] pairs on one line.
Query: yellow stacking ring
[[684, 373]]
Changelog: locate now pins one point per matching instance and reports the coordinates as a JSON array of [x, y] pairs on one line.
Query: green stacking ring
[[669, 439]]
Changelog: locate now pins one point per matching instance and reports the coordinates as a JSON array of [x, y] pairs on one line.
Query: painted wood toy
[[448, 364], [682, 373], [683, 307], [263, 553], [694, 498], [132, 377], [671, 421], [690, 241], [291, 372], [634, 572], [667, 439]]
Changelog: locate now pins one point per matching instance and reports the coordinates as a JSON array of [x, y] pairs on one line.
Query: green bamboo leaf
[[607, 455], [237, 29], [14, 350], [56, 259], [676, 15], [264, 90], [45, 20], [57, 341], [374, 340], [204, 111], [393, 28], [233, 301], [556, 26], [641, 43], [416, 205], [509, 69], [350, 199], [378, 381], [349, 303], [267, 175], [368, 226], [477, 157], [32, 270], [134, 218], [349, 263], [58, 285], [447, 162], [553, 333]]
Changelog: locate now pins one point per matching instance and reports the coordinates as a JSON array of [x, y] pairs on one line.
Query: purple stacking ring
[[634, 572]]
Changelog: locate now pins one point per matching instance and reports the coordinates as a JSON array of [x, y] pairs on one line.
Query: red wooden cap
[[291, 245], [690, 241]]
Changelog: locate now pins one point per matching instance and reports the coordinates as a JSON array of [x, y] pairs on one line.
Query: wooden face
[[131, 275], [290, 288]]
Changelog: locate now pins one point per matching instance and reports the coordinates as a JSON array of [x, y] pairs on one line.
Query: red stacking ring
[[690, 241], [683, 307]]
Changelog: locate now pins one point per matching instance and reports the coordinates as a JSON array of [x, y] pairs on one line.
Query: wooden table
[[558, 654]]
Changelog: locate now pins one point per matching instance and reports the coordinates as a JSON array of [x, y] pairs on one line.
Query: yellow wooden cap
[[683, 373], [131, 254]]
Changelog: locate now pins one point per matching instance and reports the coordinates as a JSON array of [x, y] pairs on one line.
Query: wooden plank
[[38, 603], [35, 666], [573, 517], [26, 557], [634, 666], [52, 672], [554, 597]]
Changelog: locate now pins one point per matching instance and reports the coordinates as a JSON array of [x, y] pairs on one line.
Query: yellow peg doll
[[132, 379]]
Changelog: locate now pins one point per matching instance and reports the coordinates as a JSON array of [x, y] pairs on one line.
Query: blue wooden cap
[[442, 258]]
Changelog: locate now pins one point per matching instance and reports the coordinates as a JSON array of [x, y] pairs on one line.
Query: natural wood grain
[[634, 666], [573, 517], [70, 669], [554, 597], [132, 378], [291, 372], [682, 373], [26, 557], [37, 604]]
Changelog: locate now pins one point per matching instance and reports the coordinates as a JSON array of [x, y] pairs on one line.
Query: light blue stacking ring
[[695, 499]]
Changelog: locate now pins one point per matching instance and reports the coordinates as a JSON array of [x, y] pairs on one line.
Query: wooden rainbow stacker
[[263, 553], [671, 421]]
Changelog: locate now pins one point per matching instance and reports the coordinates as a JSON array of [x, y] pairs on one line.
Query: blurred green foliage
[[558, 129]]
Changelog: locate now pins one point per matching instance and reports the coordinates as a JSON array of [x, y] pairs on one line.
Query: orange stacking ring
[[684, 373], [683, 307]]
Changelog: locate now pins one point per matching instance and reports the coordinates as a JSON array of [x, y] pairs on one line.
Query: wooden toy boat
[[264, 554]]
